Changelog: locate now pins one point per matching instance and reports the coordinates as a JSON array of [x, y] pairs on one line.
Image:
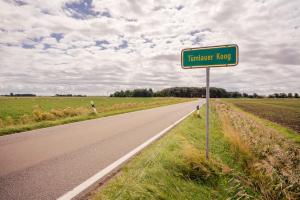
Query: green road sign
[[217, 56]]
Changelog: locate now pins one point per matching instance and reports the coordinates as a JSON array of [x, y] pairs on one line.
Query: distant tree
[[128, 93], [290, 95], [282, 95], [187, 92], [296, 95], [150, 92], [271, 96], [236, 95], [245, 95]]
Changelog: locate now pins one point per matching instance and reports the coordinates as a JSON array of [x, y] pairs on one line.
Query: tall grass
[[271, 160]]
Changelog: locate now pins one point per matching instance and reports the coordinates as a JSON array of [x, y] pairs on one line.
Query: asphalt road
[[47, 163]]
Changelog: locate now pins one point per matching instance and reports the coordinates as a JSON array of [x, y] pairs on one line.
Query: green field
[[26, 113], [282, 111], [249, 160]]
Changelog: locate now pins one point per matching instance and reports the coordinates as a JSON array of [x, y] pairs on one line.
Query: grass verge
[[249, 159], [175, 168]]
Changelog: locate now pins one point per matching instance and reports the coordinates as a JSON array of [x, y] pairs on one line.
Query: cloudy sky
[[97, 47]]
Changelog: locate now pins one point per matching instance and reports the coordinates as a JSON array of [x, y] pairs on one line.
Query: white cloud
[[109, 45]]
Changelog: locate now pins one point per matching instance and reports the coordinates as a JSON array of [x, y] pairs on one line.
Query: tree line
[[195, 92], [19, 95]]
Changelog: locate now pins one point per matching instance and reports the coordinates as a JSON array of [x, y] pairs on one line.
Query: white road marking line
[[92, 180]]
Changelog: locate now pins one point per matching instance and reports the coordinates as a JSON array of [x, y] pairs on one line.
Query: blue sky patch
[[124, 45], [101, 43], [57, 36], [20, 2], [195, 32], [38, 39], [84, 9], [197, 40], [179, 7], [46, 46], [28, 46]]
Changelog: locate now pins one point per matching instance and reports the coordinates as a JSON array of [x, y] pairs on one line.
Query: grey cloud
[[285, 56], [134, 5], [166, 57], [138, 44]]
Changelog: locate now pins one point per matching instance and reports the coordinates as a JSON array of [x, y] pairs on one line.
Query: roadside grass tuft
[[58, 113], [197, 167], [40, 115]]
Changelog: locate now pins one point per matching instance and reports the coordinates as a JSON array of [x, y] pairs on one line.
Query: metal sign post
[[207, 112], [206, 57]]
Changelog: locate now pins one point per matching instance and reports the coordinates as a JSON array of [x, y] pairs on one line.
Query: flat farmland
[[285, 112], [26, 113]]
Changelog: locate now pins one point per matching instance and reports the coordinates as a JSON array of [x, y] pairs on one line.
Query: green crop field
[[26, 113], [282, 111]]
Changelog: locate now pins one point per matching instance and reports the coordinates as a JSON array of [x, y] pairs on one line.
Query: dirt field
[[282, 111]]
